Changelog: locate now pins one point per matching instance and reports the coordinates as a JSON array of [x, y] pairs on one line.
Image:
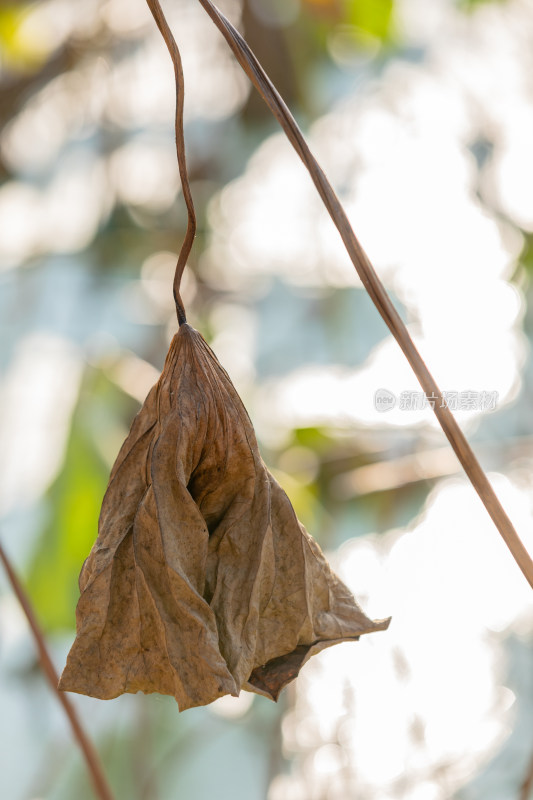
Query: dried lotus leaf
[[202, 581]]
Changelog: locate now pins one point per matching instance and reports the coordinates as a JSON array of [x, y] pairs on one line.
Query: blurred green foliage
[[73, 502], [374, 17], [21, 50], [471, 5]]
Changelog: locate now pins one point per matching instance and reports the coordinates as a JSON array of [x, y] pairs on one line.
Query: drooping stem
[[170, 42], [92, 760], [375, 288]]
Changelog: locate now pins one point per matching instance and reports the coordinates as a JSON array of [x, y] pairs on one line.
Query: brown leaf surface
[[202, 581]]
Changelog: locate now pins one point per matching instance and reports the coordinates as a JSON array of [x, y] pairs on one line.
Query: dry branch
[[90, 755], [527, 784]]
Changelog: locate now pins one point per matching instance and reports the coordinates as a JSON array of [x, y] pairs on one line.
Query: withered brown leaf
[[202, 581]]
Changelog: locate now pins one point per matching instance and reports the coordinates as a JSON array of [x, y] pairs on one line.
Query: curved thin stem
[[92, 760], [375, 288], [186, 247]]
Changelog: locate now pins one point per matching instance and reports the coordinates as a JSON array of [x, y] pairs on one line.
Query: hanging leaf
[[202, 581]]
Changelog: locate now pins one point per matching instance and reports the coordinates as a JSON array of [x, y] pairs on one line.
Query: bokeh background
[[421, 114]]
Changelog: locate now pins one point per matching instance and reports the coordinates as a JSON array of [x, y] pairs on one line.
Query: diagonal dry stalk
[[90, 755], [375, 288]]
